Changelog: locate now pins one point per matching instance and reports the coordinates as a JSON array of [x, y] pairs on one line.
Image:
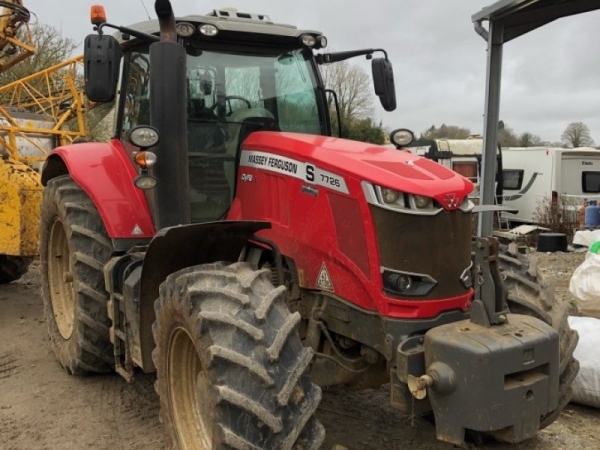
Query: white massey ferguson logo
[[451, 200]]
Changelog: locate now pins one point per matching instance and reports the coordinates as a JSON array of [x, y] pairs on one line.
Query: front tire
[[231, 369], [74, 247], [528, 294]]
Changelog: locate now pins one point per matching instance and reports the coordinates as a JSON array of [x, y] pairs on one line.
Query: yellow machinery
[[15, 37], [37, 113]]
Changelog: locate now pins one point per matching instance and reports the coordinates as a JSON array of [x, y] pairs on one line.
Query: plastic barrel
[[552, 242], [592, 215]]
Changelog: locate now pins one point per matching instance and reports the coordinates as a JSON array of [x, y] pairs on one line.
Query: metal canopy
[[509, 19], [523, 16]]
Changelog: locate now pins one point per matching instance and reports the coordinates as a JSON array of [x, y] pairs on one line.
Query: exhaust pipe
[[168, 75], [166, 20]]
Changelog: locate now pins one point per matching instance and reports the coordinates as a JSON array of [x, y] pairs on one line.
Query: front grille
[[438, 246]]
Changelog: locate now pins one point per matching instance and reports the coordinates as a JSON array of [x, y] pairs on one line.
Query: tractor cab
[[242, 73], [231, 92]]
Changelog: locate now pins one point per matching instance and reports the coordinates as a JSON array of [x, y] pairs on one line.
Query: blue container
[[592, 215]]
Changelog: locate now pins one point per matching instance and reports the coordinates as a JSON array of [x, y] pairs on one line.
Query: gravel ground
[[43, 408]]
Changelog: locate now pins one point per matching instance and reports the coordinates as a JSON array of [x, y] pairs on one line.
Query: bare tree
[[555, 144], [352, 85], [577, 134], [51, 48], [507, 137], [445, 132], [528, 139]]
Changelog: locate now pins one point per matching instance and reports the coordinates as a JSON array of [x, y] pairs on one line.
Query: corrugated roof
[[523, 16]]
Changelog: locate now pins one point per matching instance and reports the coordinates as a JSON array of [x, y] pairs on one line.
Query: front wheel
[[529, 295], [231, 369]]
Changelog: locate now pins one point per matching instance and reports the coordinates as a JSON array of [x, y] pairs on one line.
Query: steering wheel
[[228, 99]]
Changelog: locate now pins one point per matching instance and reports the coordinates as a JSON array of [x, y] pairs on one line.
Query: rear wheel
[[74, 247], [528, 294], [231, 369], [13, 267]]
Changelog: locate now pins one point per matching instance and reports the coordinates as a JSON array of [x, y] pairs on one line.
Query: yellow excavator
[[37, 113]]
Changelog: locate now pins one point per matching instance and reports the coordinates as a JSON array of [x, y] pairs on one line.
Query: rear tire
[[528, 294], [13, 267], [74, 247], [231, 369]]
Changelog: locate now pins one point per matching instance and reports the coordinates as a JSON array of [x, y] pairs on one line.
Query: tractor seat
[[243, 122]]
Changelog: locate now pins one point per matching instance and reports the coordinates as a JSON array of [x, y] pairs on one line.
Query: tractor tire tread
[[530, 294], [89, 349], [249, 414]]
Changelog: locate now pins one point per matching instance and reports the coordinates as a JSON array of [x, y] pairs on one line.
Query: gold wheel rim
[[60, 277], [189, 393]]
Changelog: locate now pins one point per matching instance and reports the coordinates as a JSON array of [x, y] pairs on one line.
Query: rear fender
[[176, 248], [105, 173]]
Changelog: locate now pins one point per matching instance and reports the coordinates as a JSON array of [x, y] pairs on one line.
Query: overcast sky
[[551, 77]]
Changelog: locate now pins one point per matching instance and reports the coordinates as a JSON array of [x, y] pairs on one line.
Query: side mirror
[[383, 79], [102, 57]]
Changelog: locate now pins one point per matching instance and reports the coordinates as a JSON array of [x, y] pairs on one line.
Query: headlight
[[185, 29], [407, 284], [308, 40], [144, 136], [208, 30], [145, 181], [422, 202], [394, 200], [401, 137], [389, 195], [404, 282]]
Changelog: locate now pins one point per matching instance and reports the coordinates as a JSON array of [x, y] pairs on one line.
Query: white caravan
[[534, 175], [461, 155]]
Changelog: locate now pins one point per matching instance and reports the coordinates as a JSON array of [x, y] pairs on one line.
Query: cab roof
[[229, 20]]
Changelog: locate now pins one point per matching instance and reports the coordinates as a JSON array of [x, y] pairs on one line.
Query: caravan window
[[512, 179], [590, 182], [467, 170]]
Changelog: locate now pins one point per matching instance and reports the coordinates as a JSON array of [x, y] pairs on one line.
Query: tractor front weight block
[[495, 380]]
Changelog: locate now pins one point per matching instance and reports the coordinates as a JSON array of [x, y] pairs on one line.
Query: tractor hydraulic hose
[[20, 10]]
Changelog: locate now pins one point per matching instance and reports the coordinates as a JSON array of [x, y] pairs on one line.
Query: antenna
[[145, 9]]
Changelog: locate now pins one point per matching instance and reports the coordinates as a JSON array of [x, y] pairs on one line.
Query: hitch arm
[[489, 306]]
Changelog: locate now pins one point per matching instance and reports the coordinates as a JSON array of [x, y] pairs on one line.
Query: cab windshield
[[229, 95]]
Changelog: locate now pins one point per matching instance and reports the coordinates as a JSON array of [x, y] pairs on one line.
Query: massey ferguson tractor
[[224, 240]]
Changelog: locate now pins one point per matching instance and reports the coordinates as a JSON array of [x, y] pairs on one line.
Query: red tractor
[[226, 241]]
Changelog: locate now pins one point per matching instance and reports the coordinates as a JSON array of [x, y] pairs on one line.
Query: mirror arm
[[327, 58], [138, 34]]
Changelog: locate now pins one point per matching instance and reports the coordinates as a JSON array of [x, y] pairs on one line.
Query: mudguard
[[176, 248], [105, 173]]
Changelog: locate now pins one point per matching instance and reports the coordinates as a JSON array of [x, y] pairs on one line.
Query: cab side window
[[136, 108]]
